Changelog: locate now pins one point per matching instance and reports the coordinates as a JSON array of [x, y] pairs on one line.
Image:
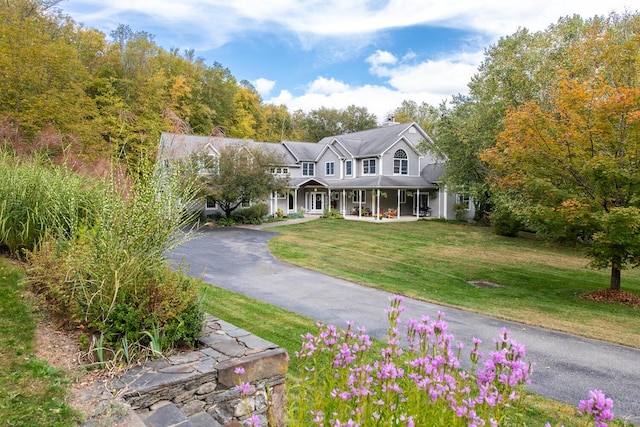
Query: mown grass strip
[[540, 282]]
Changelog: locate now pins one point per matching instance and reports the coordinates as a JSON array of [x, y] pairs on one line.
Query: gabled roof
[[367, 143], [174, 145], [372, 142], [303, 151]]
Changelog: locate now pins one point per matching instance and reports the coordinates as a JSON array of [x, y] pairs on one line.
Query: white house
[[376, 172]]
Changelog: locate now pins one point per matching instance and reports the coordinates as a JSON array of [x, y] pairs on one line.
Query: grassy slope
[[540, 283]]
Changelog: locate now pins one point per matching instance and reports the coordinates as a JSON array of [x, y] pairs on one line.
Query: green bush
[[461, 210], [225, 222], [505, 223], [332, 214], [251, 215]]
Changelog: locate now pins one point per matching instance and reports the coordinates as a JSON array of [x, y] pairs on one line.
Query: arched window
[[400, 163]]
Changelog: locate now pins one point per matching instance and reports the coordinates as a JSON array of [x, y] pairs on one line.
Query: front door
[[425, 210], [316, 202]]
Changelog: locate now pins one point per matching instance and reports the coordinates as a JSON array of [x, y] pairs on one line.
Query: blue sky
[[307, 54]]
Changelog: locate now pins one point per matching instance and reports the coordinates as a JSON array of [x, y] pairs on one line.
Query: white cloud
[[214, 22], [430, 81], [263, 86], [379, 62], [324, 86]]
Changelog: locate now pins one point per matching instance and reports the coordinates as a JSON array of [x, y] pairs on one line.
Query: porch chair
[[391, 213]]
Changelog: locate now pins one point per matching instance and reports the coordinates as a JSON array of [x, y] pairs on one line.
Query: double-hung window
[[348, 168], [400, 163], [308, 169], [463, 199], [369, 167], [358, 196], [330, 168]]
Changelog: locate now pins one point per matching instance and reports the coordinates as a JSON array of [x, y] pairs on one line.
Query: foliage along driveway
[[565, 367]]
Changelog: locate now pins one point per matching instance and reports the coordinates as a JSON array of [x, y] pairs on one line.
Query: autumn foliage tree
[[572, 157]]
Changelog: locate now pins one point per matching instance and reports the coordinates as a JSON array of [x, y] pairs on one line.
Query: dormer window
[[348, 168], [400, 163], [369, 167]]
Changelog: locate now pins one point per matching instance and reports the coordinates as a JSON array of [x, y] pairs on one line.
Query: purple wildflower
[[599, 406], [253, 421]]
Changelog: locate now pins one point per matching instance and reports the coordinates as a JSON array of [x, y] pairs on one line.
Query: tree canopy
[[67, 88], [572, 156]]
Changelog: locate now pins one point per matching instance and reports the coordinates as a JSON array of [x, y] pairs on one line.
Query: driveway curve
[[566, 367]]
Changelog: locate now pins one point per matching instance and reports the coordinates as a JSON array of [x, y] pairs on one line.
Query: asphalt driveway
[[565, 367]]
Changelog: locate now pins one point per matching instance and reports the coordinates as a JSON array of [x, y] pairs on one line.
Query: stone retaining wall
[[204, 380]]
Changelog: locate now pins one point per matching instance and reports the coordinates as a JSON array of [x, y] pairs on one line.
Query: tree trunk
[[614, 285]]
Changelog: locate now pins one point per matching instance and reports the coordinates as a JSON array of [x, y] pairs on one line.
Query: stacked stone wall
[[204, 380]]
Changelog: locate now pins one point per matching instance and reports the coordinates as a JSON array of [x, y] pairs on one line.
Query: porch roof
[[367, 182]]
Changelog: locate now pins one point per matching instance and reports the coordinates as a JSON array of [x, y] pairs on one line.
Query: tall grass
[[97, 251], [35, 199]]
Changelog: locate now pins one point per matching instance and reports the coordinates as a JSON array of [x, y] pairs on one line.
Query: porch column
[[377, 212], [273, 201], [417, 203], [373, 203], [295, 200], [444, 198], [398, 204], [344, 202], [360, 203]]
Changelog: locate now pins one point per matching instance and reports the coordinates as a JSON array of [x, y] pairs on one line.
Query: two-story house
[[369, 173]]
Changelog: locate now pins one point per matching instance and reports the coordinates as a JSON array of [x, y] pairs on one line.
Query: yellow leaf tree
[[574, 158]]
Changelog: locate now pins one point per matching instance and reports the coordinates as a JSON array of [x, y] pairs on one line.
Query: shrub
[[461, 210], [251, 215], [332, 214], [225, 222], [505, 223]]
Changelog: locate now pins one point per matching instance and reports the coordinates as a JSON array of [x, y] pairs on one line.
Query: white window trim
[[400, 161], [329, 165], [307, 165], [346, 170], [208, 206], [368, 162], [363, 194], [460, 199]]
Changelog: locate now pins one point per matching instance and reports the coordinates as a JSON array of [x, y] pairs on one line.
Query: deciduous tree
[[575, 159], [240, 173]]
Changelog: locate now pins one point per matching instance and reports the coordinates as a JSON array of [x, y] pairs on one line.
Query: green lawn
[[32, 393], [540, 282]]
